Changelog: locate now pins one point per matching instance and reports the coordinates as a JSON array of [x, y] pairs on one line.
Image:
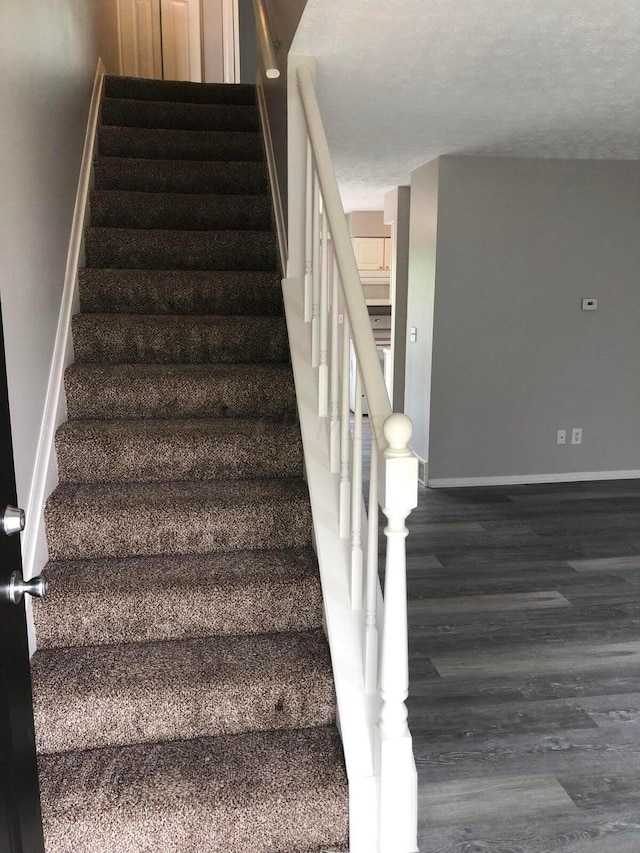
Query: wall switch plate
[[589, 304], [576, 435], [561, 437], [413, 334]]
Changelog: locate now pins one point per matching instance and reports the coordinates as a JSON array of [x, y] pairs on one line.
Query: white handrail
[[337, 366], [372, 379], [265, 41]]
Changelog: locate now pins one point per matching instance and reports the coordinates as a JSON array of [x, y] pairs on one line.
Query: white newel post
[[398, 783]]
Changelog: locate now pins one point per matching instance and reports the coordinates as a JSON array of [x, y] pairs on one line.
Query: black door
[[20, 820]]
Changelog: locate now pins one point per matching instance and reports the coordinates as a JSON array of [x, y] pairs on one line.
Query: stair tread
[[131, 112], [114, 140], [180, 291], [215, 795], [137, 599], [184, 249], [193, 448], [179, 90], [180, 689], [177, 517], [163, 338], [186, 176], [227, 494], [178, 390], [184, 211]]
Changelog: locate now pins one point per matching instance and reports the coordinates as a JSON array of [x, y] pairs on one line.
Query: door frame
[[231, 41]]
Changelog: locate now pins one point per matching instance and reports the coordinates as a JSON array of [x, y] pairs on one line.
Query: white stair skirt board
[[531, 479], [357, 712], [45, 472]]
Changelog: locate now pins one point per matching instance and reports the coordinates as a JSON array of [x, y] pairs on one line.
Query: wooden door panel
[[140, 38], [181, 41]]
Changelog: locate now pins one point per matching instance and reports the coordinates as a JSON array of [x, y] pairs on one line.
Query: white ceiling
[[403, 81]]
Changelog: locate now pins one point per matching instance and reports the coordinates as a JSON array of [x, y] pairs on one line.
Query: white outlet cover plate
[[590, 304]]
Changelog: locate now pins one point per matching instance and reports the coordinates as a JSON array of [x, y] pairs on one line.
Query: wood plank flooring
[[524, 615]]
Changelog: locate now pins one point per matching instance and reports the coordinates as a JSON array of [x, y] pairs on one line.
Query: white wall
[[48, 56], [423, 234], [520, 243], [367, 223]]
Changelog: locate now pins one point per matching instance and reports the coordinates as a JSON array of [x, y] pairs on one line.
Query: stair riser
[[120, 248], [193, 529], [135, 340], [179, 144], [157, 176], [154, 114], [119, 209], [180, 292], [94, 457], [202, 395]]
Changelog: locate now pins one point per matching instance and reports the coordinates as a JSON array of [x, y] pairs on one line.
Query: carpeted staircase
[[183, 692]]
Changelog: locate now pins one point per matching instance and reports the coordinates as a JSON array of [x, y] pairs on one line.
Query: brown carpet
[[183, 692]]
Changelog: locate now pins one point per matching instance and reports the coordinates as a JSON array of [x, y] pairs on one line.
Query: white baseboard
[[273, 174], [531, 479], [45, 474]]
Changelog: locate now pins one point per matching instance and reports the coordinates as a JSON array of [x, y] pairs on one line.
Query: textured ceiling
[[403, 81]]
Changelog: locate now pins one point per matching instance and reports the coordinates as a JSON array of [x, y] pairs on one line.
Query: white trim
[[230, 41], [119, 27], [273, 174], [45, 473], [531, 479], [357, 711]]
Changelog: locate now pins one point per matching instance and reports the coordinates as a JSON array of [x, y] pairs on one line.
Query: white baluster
[[323, 367], [334, 430], [345, 433], [371, 628], [317, 264], [356, 500], [308, 238], [398, 785]]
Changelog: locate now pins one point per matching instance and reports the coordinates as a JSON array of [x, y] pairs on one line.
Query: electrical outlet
[[561, 437], [576, 435]]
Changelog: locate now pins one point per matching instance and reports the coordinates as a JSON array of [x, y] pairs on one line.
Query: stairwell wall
[[48, 57], [284, 17]]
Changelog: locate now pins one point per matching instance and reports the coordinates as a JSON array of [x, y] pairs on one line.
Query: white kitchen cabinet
[[369, 252]]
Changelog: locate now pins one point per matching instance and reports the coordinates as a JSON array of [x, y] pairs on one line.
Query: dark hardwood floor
[[524, 623]]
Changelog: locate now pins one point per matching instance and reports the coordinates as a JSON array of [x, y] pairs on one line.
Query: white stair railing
[[345, 371]]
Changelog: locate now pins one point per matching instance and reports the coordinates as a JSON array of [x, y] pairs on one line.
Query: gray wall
[[397, 211], [48, 56], [247, 28], [284, 17], [423, 229], [520, 243]]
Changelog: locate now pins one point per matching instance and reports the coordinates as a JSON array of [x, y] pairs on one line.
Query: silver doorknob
[[17, 587], [12, 520]]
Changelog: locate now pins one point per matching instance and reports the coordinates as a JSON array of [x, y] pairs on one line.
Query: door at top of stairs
[[193, 40]]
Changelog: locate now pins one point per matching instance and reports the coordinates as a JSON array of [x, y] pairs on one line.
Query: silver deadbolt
[[17, 587], [12, 520]]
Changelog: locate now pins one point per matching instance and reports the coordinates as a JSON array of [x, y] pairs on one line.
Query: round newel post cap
[[397, 430]]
